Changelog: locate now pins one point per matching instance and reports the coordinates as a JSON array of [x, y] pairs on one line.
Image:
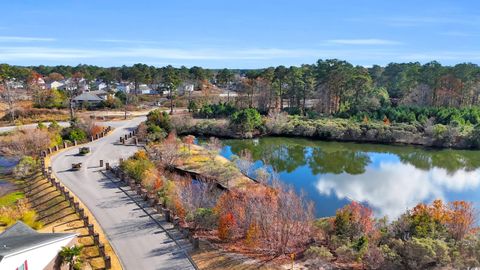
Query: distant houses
[[69, 84], [94, 92], [23, 248]]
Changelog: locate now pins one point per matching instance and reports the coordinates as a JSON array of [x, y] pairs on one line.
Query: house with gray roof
[[100, 93], [24, 248], [87, 99]]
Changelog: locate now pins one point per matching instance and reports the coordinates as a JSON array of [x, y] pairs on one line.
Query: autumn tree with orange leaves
[[462, 219], [456, 218], [226, 225], [353, 221]]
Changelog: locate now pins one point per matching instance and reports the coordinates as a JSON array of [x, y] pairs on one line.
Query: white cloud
[[231, 57], [24, 39], [393, 188], [39, 53], [368, 41]]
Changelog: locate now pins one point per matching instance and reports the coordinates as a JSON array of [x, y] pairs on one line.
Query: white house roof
[[19, 237]]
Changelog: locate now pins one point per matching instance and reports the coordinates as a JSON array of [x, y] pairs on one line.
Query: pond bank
[[342, 130], [211, 168]]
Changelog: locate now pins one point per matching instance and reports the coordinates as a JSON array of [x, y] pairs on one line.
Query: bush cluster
[[246, 120], [137, 166], [215, 110], [409, 114], [428, 236], [158, 125]]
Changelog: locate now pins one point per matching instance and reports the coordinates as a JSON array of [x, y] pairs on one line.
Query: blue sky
[[238, 34]]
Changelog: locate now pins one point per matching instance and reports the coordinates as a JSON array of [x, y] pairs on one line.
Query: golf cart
[[83, 151], [76, 166]]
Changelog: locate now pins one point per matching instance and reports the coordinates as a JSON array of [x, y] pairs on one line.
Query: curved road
[[136, 237]]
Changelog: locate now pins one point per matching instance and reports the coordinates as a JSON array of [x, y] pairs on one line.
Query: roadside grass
[[57, 215], [37, 118], [11, 198]]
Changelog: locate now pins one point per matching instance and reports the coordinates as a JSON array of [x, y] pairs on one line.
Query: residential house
[[19, 84], [185, 88], [100, 93], [87, 99], [23, 248], [41, 82], [145, 90], [55, 85], [14, 84], [124, 87], [70, 84], [99, 85]]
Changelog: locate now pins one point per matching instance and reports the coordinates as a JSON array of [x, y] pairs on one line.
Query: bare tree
[[167, 154], [276, 217], [245, 162], [195, 195], [6, 94], [24, 143], [213, 146]]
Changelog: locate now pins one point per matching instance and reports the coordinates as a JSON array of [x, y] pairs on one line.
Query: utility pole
[[170, 90], [10, 99], [126, 103]]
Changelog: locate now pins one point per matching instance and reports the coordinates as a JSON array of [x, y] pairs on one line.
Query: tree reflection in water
[[388, 178]]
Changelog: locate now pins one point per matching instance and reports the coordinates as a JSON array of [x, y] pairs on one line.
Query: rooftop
[[20, 237], [87, 96]]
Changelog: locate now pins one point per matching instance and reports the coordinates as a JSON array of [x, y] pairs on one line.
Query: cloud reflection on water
[[392, 187]]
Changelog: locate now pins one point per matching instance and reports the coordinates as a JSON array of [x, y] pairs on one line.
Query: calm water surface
[[6, 165], [390, 179]]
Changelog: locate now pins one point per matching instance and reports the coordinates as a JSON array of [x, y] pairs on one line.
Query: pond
[[6, 165], [390, 179]]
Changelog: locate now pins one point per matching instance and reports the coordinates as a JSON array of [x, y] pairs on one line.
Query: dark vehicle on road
[[83, 151], [76, 166]]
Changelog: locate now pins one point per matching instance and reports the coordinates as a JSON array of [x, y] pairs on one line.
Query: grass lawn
[[198, 160], [11, 198]]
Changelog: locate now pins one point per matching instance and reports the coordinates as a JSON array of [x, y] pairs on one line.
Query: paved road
[[136, 237], [97, 114]]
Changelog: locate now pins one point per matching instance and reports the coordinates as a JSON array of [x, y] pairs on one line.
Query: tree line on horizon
[[338, 87]]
